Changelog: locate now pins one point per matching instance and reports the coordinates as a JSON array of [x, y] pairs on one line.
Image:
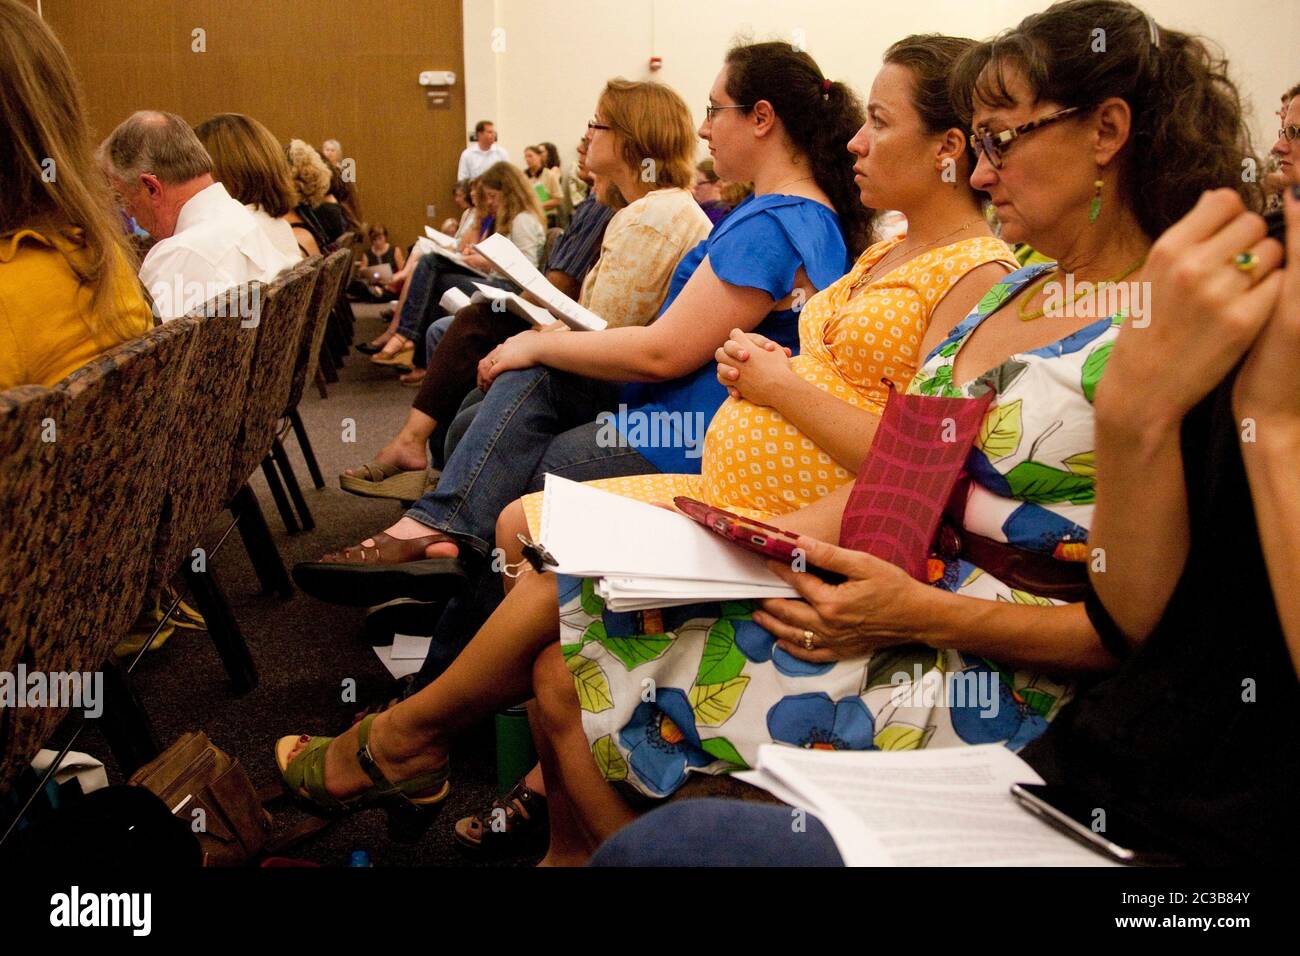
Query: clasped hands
[[754, 368]]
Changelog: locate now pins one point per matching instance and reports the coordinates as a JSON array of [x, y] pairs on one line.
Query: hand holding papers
[[435, 243], [505, 256]]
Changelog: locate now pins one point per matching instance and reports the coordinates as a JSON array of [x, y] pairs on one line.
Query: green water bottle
[[515, 753]]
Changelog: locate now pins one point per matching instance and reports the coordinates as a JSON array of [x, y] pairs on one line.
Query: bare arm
[[678, 342], [1267, 393], [1203, 315], [880, 605]]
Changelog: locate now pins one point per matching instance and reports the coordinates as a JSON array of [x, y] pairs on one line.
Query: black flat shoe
[[401, 616], [430, 579]]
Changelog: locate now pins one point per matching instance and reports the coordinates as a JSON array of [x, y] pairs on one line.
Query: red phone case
[[749, 534]]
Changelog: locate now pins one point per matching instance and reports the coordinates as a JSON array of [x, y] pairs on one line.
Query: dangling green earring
[[1094, 208]]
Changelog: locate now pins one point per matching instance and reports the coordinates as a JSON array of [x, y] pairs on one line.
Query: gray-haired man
[[207, 241]]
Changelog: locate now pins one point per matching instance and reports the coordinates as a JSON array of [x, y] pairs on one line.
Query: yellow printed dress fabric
[[756, 463]]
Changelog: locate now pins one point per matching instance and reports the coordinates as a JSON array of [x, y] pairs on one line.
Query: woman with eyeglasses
[[1287, 148], [1063, 136]]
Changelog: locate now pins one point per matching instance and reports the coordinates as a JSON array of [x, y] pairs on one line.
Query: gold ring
[[1245, 261], [808, 642]]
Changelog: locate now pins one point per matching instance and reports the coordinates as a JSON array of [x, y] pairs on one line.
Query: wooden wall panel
[[311, 69]]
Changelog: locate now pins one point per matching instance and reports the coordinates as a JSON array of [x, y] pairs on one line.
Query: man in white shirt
[[482, 153], [207, 241]]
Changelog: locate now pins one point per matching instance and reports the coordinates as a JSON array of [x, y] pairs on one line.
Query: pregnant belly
[[756, 462]]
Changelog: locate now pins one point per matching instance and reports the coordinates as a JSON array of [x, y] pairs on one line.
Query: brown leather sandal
[[511, 824], [365, 575]]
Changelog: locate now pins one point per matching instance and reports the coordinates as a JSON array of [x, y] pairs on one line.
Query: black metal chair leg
[[325, 364], [291, 480], [262, 552], [304, 445], [277, 493], [222, 627], [124, 723]]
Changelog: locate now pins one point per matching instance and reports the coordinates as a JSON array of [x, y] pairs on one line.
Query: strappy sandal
[[381, 480], [510, 825], [362, 576], [403, 356], [304, 775]]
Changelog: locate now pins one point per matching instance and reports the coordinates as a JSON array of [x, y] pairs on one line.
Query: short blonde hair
[[311, 176]]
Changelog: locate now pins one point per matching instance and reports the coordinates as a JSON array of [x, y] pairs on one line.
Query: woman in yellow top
[[795, 429], [68, 292]]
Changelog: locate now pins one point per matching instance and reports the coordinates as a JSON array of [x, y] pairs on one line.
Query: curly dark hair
[[1187, 131], [819, 116]]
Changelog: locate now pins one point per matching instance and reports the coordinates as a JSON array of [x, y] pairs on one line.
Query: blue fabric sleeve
[[756, 253]]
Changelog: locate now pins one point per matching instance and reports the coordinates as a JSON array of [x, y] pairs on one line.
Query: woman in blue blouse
[[772, 119]]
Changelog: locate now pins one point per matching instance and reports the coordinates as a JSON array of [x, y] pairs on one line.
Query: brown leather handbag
[[208, 789]]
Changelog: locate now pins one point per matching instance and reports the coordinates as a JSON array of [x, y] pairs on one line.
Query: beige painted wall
[[550, 61]]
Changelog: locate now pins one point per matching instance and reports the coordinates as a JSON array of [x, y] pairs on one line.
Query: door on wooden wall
[[308, 69]]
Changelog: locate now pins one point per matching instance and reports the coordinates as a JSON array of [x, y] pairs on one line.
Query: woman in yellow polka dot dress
[[774, 446], [795, 429]]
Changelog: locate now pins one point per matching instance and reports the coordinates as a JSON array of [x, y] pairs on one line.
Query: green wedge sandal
[[305, 776]]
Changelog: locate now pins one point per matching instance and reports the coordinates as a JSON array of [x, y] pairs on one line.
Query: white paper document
[[535, 315], [650, 556], [440, 239], [505, 255], [950, 806], [426, 245], [405, 655], [453, 300]]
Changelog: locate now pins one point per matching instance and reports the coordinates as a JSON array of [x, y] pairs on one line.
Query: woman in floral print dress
[[723, 685]]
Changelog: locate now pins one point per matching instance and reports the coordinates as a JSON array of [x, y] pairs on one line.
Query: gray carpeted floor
[[305, 649]]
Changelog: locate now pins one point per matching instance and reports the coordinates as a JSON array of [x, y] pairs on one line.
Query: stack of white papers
[[645, 556], [950, 806], [505, 255], [436, 244]]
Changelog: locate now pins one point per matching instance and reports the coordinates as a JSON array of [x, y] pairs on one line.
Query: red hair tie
[[826, 89]]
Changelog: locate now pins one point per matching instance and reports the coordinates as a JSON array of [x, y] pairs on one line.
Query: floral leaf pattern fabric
[[707, 685]]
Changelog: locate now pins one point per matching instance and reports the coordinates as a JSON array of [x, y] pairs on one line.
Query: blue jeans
[[720, 833], [437, 329], [514, 431], [432, 277]]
